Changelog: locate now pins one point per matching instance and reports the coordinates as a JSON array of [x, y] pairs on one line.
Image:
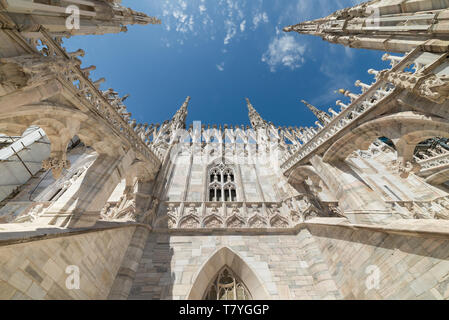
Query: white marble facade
[[158, 211]]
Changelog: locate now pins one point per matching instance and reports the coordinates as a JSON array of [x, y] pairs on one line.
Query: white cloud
[[229, 19], [231, 30], [242, 26], [183, 4], [284, 51], [303, 10], [335, 77], [220, 66], [166, 42], [184, 22], [261, 17]]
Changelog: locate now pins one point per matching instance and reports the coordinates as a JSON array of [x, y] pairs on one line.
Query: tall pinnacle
[[321, 115], [254, 117], [179, 119], [95, 17], [380, 25]]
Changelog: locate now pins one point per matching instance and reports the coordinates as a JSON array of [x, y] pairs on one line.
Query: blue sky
[[221, 51]]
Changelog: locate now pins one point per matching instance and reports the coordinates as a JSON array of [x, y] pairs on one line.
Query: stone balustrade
[[339, 120], [238, 215], [434, 161], [422, 82], [432, 209], [192, 215], [76, 78]]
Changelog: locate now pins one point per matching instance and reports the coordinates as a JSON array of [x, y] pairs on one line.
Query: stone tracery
[[226, 286], [222, 185]]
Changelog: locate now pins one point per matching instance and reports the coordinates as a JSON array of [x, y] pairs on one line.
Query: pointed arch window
[[222, 185], [227, 286]]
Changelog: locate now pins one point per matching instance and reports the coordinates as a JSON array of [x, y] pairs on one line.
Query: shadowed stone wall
[[37, 269], [323, 261], [408, 267], [287, 266]]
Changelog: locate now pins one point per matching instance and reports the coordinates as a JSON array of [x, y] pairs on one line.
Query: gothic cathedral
[[94, 205]]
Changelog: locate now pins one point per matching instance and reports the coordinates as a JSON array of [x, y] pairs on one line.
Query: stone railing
[[431, 163], [432, 209], [78, 79], [237, 215], [315, 137], [398, 77], [213, 215]]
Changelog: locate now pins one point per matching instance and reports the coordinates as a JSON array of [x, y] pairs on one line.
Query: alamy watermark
[[72, 22], [259, 148], [72, 281], [373, 20], [373, 279]]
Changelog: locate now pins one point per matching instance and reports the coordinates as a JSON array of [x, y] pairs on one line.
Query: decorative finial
[[322, 116], [254, 117], [180, 116]]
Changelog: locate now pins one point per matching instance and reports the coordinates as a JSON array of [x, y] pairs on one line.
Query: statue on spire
[[322, 116]]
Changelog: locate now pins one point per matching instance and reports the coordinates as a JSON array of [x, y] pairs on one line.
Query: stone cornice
[[435, 229], [12, 234]]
